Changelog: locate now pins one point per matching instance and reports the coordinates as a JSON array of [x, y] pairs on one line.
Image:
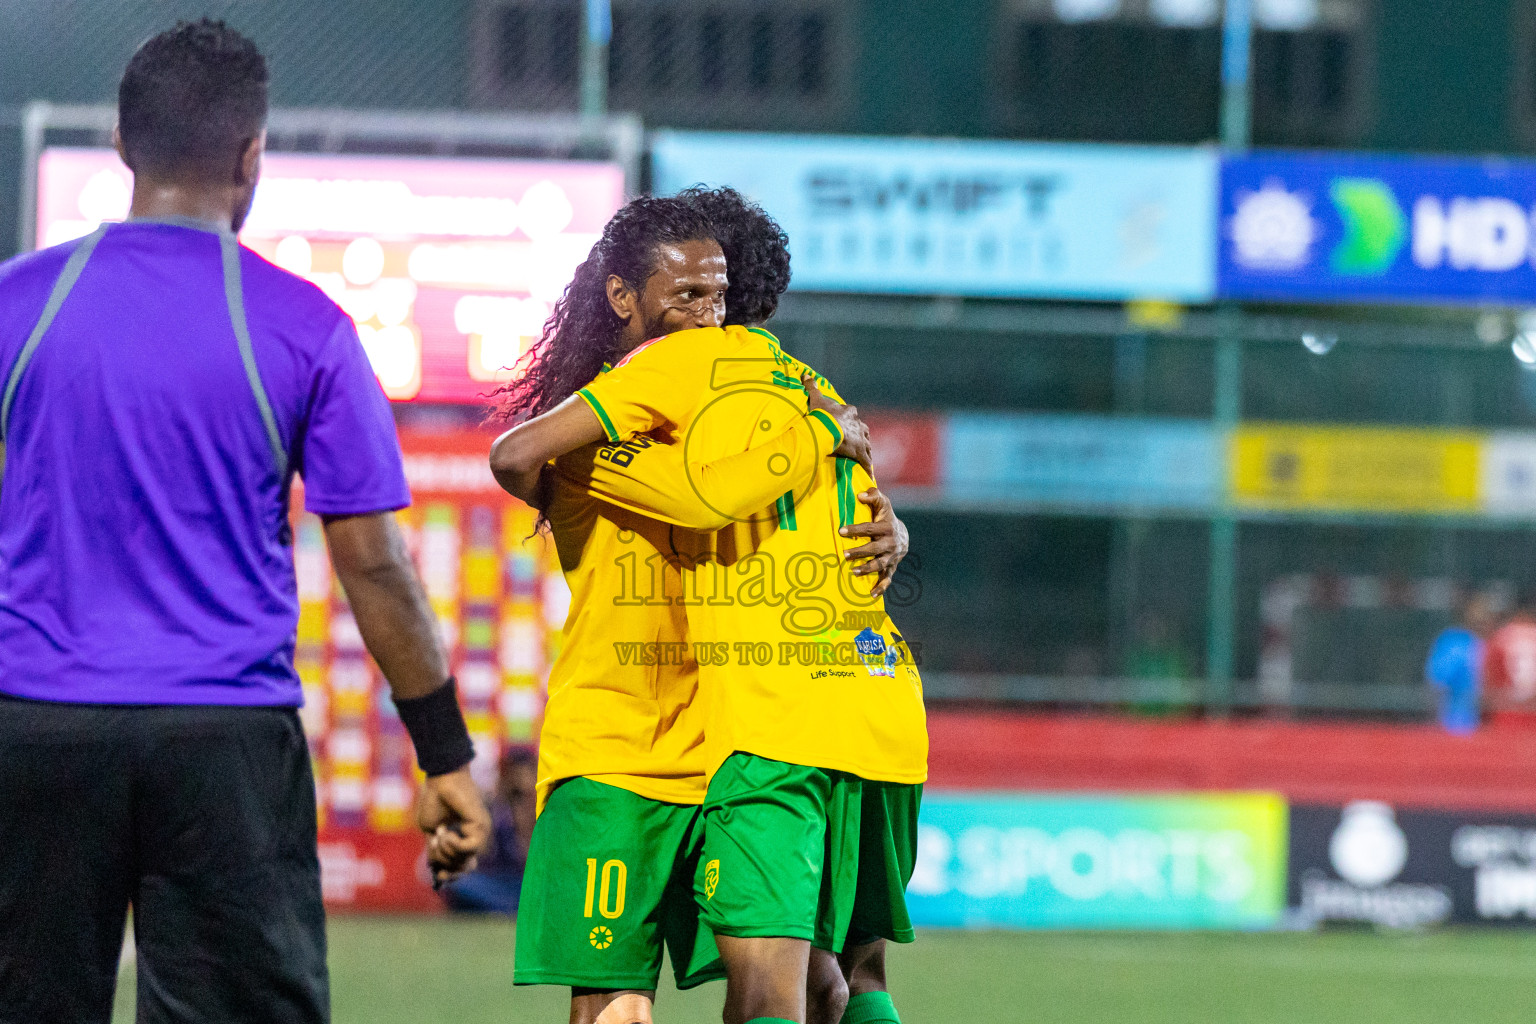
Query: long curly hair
[[756, 252], [583, 331]]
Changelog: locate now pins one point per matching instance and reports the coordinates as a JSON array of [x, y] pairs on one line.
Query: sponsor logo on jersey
[[878, 657]]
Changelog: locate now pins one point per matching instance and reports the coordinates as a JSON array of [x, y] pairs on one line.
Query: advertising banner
[[1509, 474], [361, 869], [907, 449], [1342, 227], [1082, 460], [448, 266], [1356, 469], [1370, 864], [956, 217], [500, 601], [1211, 860]]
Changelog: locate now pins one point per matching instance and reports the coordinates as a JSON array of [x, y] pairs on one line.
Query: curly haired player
[[781, 883], [636, 796]]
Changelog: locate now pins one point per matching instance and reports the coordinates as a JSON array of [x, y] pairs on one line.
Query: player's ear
[[117, 144], [622, 299], [249, 167]]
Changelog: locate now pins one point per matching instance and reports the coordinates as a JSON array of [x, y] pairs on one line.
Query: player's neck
[[161, 200], [631, 338]]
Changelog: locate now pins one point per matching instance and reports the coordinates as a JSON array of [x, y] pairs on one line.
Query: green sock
[[871, 1008]]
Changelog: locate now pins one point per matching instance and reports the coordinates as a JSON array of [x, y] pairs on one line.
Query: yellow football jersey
[[798, 662], [622, 692]]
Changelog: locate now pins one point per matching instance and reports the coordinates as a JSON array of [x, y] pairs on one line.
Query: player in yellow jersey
[[621, 766], [815, 728]]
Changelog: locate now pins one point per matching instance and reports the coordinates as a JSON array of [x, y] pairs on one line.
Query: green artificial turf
[[423, 970]]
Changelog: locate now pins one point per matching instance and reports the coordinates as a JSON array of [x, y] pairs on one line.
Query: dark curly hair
[[583, 332], [756, 252], [189, 101]]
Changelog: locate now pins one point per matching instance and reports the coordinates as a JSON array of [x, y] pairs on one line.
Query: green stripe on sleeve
[[825, 419], [785, 507], [845, 504], [602, 414]]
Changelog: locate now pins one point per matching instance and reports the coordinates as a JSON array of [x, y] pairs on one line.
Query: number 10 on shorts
[[615, 875]]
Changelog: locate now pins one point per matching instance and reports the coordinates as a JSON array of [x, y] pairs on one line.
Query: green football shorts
[[806, 853], [609, 880]]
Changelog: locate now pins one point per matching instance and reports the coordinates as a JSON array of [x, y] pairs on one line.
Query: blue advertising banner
[[1342, 227], [934, 217], [1204, 860], [1099, 461]]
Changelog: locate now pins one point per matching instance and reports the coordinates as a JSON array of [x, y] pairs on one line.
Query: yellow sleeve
[[660, 481], [655, 385]]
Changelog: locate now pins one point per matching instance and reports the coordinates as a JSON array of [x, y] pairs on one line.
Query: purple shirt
[[145, 554]]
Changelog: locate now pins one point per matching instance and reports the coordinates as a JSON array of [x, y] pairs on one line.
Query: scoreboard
[[448, 266]]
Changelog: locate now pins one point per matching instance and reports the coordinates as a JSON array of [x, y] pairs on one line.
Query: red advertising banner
[[907, 449], [361, 869], [501, 601]]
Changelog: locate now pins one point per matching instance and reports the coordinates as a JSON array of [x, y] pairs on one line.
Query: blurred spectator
[[1455, 664], [1159, 663], [493, 887], [1509, 667]]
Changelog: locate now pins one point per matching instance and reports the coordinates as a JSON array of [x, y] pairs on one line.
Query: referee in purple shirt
[[161, 387]]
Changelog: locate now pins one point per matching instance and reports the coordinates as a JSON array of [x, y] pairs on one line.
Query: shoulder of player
[[35, 269], [300, 302], [764, 338], [25, 282], [798, 368], [683, 347]]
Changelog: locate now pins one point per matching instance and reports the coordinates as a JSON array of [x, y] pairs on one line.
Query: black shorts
[[201, 818]]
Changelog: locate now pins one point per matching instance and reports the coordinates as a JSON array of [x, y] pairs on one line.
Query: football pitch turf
[[423, 970]]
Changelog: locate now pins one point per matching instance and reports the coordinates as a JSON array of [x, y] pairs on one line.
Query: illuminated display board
[[449, 266]]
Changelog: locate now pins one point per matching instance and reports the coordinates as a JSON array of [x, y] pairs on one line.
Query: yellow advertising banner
[[1355, 469]]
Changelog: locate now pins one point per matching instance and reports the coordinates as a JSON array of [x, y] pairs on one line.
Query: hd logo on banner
[[1355, 228], [1211, 860]]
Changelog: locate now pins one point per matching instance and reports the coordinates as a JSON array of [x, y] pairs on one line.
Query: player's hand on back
[[888, 541], [451, 810], [855, 443]]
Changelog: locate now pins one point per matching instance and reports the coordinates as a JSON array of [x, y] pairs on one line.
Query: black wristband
[[437, 730]]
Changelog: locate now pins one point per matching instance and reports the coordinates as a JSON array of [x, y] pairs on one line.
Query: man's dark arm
[[397, 624], [388, 601], [519, 455]]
